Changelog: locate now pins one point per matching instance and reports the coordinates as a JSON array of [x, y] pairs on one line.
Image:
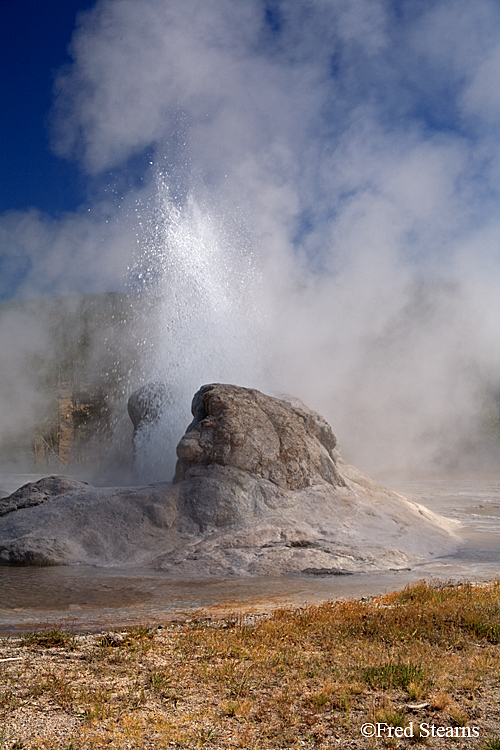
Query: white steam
[[323, 220], [201, 317]]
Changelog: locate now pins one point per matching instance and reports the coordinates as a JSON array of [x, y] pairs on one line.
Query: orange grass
[[306, 678]]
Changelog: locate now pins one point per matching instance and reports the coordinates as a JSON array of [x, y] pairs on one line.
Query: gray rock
[[36, 493], [147, 404], [146, 407], [93, 526], [259, 490], [268, 437]]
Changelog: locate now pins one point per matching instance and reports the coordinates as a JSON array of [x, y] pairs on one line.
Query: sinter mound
[[259, 490]]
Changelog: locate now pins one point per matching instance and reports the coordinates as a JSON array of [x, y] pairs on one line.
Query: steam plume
[[309, 192]]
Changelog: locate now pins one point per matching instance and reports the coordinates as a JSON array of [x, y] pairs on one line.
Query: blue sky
[[399, 68], [347, 135], [34, 37], [319, 178]]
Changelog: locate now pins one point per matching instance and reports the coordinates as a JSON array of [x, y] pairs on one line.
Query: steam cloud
[[310, 193]]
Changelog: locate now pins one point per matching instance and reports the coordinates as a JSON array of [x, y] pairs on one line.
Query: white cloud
[[481, 97], [337, 150], [83, 252]]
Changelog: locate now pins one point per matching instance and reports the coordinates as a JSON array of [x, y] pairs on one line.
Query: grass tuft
[[308, 677], [392, 675], [491, 744], [52, 638]]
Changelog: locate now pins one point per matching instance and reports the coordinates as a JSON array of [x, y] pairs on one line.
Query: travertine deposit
[[259, 489]]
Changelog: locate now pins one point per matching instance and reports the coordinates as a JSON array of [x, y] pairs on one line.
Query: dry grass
[[306, 678]]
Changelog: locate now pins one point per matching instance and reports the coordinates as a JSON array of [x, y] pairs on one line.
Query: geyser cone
[[260, 489]]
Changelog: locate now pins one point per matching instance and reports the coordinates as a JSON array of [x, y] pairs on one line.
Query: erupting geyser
[[260, 489], [201, 318], [298, 197]]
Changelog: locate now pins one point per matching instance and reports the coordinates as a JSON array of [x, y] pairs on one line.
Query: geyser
[[260, 489], [324, 219], [200, 316]]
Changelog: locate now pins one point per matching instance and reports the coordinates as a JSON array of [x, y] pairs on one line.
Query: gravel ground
[[196, 684]]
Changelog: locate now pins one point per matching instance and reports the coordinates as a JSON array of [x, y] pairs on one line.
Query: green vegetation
[[307, 678], [392, 675], [52, 638]]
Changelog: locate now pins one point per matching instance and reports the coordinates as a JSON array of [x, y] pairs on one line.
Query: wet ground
[[84, 598]]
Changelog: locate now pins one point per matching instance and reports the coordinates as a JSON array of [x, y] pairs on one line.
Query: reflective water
[[96, 599]]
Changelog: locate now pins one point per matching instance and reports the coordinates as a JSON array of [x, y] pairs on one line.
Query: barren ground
[[304, 678]]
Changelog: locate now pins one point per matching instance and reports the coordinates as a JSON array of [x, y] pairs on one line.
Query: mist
[[303, 196]]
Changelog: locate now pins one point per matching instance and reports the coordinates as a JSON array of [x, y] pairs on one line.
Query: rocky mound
[[259, 489], [291, 447], [36, 493]]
